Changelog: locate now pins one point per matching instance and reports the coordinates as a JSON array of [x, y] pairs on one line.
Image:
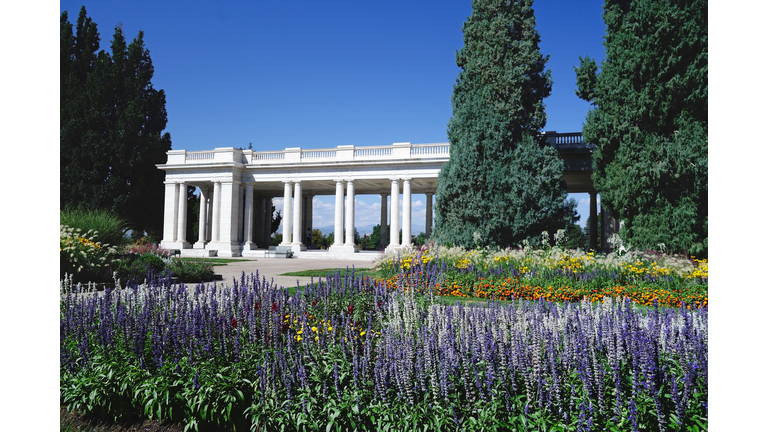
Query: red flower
[[234, 322], [350, 309], [274, 307]]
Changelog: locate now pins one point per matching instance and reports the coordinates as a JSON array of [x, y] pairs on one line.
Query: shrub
[[107, 227], [81, 256], [133, 267], [191, 271], [144, 246]]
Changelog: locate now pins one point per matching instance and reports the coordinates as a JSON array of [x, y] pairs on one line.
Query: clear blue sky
[[317, 74]]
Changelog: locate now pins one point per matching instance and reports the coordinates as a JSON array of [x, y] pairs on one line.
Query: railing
[[564, 139], [199, 156], [396, 151], [318, 154], [268, 156], [430, 149], [373, 152]]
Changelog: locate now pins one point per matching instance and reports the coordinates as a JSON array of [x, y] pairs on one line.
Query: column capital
[[395, 179]]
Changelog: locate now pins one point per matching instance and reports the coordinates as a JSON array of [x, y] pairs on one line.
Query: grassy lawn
[[324, 272]]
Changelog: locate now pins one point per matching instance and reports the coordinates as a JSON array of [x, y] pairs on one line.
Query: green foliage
[[106, 227], [502, 184], [137, 267], [191, 271], [111, 123], [649, 124], [276, 219], [82, 256], [317, 238]]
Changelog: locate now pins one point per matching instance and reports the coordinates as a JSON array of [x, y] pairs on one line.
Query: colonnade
[[233, 219]]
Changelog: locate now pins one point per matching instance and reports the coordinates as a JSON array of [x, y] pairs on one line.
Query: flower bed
[[553, 275], [349, 352]]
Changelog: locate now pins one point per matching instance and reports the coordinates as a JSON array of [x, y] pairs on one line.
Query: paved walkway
[[272, 268]]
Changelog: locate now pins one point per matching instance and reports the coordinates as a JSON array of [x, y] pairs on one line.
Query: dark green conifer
[[650, 121], [502, 183], [111, 126]]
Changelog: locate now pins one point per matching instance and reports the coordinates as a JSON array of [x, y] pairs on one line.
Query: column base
[[249, 246], [225, 249], [343, 249], [199, 245], [170, 245], [298, 247], [198, 253]]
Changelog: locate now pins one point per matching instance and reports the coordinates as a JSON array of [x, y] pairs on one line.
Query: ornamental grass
[[348, 352]]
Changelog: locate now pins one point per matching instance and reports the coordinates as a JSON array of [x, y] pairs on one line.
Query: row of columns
[[230, 216], [295, 218]]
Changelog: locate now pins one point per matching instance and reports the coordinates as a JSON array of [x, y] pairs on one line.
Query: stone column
[[202, 227], [429, 215], [307, 220], [406, 212], [169, 215], [593, 220], [209, 216], [339, 214], [216, 212], [350, 241], [248, 223], [394, 212], [297, 215], [239, 235], [383, 231], [226, 210], [287, 217], [181, 236]]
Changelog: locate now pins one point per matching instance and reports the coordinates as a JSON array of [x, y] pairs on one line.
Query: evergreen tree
[[502, 183], [111, 124], [650, 121]]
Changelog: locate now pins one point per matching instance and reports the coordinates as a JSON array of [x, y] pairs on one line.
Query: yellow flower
[[330, 328], [362, 333], [298, 338], [314, 329]]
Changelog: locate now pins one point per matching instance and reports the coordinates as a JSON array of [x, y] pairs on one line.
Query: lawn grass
[[324, 272]]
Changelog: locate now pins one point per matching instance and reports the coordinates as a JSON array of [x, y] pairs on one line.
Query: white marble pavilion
[[237, 188]]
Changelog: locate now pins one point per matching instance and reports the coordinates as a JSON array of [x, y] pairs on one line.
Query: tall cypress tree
[[649, 123], [112, 121], [502, 183]]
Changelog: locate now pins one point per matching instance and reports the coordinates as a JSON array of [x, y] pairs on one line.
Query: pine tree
[[650, 121], [502, 183], [112, 122]]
